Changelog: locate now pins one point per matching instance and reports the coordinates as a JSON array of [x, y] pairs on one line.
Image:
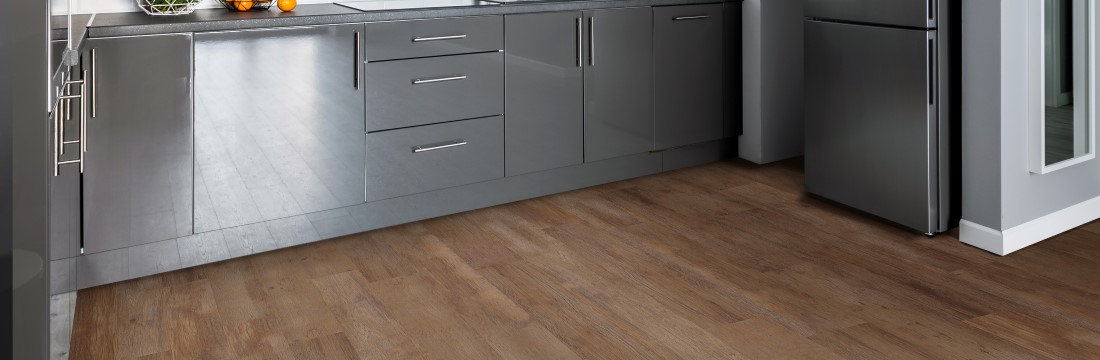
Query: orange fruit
[[287, 5], [242, 5]]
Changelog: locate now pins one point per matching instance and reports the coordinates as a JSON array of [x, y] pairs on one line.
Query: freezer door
[[911, 13], [871, 122]]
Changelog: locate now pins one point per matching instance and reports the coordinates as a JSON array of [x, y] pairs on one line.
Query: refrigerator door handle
[[931, 70]]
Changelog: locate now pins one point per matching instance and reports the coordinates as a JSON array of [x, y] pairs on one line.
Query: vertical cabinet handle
[[580, 41], [83, 117], [56, 137], [358, 50], [931, 72], [94, 88], [592, 41], [65, 107]]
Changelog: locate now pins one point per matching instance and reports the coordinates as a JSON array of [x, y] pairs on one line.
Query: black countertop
[[138, 23]]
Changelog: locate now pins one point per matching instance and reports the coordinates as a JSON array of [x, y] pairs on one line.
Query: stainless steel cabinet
[[137, 185], [688, 74], [618, 82], [279, 123], [544, 105]]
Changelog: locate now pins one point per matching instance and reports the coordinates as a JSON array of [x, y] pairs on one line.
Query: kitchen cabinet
[[688, 60], [219, 136], [579, 87], [544, 105], [413, 92], [618, 82], [279, 123], [424, 158], [137, 183], [407, 39]]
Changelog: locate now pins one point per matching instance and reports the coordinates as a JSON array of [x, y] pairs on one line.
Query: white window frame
[[1037, 127]]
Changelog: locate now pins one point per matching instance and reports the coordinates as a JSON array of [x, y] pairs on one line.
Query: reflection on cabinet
[[137, 185], [618, 83], [688, 75], [544, 104], [279, 127], [64, 192]]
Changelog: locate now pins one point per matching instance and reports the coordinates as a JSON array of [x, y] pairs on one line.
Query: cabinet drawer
[[413, 160], [425, 91], [433, 37]]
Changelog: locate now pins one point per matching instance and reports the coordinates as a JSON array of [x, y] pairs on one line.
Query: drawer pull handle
[[436, 38], [438, 145], [693, 17], [438, 79]]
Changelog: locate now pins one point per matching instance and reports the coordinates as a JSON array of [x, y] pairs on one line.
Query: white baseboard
[[981, 237], [1031, 232]]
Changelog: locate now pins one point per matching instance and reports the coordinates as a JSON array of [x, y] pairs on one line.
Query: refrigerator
[[882, 109]]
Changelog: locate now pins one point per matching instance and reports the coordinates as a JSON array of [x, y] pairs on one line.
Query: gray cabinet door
[[279, 123], [545, 97], [688, 74], [618, 83], [139, 161]]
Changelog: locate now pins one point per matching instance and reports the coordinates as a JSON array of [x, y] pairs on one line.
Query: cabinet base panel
[[212, 246]]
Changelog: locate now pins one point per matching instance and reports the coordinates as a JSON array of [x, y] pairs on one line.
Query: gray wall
[[25, 85], [981, 113], [772, 80], [1029, 196], [1000, 94]]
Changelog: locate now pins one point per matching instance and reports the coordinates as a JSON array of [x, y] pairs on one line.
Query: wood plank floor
[[722, 261]]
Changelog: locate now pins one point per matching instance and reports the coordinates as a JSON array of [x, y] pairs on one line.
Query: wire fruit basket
[[168, 7], [247, 5]]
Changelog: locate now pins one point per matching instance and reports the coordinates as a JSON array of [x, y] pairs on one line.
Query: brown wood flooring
[[722, 261]]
